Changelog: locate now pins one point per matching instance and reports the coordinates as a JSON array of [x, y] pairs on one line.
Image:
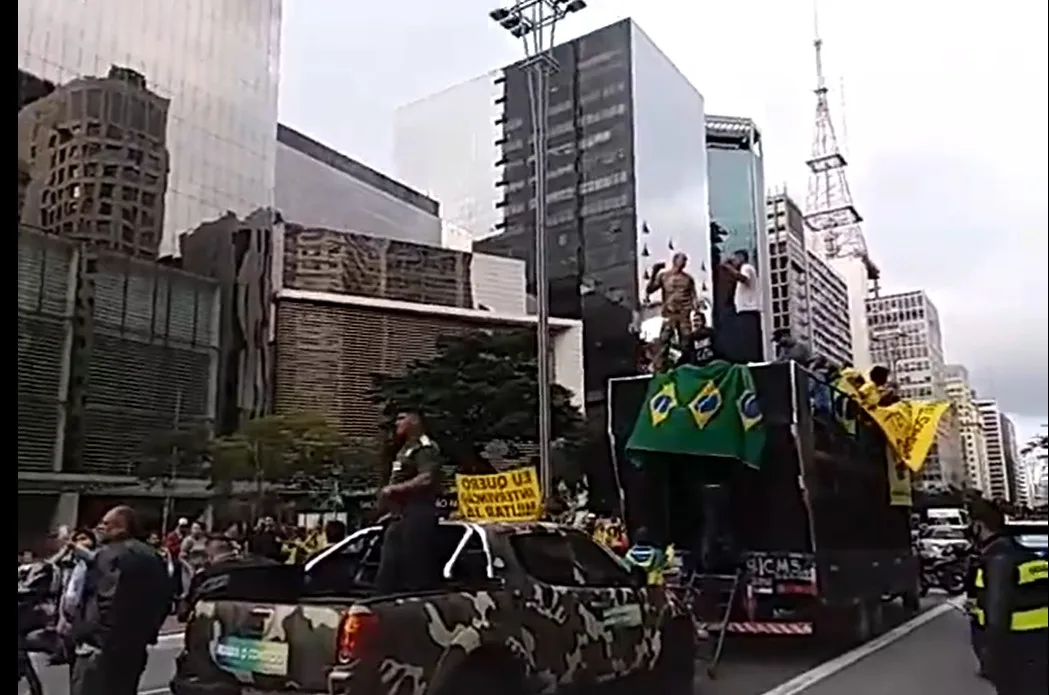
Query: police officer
[[406, 562], [1011, 612]]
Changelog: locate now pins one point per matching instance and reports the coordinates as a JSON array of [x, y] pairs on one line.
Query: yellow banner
[[509, 496], [909, 426], [899, 483]]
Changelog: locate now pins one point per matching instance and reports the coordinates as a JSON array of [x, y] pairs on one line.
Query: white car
[[938, 540]]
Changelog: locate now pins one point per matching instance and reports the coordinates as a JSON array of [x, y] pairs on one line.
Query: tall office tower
[[98, 162], [905, 336], [999, 485], [970, 427], [809, 298], [323, 188], [626, 179], [215, 62], [736, 176], [1015, 467]]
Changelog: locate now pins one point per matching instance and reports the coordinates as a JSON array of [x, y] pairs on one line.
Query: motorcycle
[[946, 571]]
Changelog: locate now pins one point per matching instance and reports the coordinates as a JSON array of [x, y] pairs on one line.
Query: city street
[[934, 657]]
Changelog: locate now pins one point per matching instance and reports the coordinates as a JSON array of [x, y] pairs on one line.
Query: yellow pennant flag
[[660, 405], [925, 417], [706, 404]]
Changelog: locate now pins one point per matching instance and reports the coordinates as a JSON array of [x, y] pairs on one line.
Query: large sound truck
[[820, 526]]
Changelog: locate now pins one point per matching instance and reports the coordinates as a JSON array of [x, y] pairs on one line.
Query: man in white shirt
[[745, 340]]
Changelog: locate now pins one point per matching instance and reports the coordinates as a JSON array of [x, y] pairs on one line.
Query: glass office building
[[626, 178], [736, 175], [217, 63]]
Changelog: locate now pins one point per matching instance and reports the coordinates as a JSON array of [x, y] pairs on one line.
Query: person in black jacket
[[126, 599], [1011, 588]]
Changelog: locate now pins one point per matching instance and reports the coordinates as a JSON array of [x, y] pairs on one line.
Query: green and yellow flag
[[711, 410]]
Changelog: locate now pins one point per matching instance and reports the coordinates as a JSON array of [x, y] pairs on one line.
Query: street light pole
[[535, 22]]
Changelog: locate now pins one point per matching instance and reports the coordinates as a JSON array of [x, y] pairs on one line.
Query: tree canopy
[[284, 449], [182, 452], [479, 388]]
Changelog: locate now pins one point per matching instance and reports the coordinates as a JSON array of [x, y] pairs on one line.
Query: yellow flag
[[662, 403], [706, 404], [925, 416]]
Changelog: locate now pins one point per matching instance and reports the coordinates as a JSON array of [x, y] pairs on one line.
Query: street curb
[[829, 668], [170, 637]]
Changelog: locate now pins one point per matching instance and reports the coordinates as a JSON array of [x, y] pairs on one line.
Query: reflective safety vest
[[1030, 604]]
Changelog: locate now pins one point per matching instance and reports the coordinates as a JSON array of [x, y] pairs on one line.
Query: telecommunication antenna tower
[[831, 214]]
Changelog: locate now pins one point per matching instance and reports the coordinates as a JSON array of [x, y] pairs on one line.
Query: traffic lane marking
[[829, 668]]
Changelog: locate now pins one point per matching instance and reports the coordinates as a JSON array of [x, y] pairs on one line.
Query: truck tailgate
[[272, 647]]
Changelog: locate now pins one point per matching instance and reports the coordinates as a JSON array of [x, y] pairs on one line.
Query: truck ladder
[[715, 595]]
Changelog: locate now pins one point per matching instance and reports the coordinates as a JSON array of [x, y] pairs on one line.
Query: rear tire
[[476, 677]]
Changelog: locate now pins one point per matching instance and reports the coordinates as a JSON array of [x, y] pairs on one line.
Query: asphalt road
[[935, 658]]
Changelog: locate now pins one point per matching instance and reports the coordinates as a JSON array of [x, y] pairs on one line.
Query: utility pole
[[169, 484], [534, 23]]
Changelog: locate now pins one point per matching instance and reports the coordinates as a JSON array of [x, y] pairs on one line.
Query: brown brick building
[[328, 346]]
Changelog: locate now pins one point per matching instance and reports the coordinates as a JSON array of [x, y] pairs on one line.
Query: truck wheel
[[476, 677]]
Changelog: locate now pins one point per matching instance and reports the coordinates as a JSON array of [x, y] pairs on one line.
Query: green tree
[[286, 450], [479, 388], [182, 452]]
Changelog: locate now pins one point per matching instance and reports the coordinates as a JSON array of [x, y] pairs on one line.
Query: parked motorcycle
[[946, 570]]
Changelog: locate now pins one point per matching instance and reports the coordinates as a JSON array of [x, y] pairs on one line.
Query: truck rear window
[[568, 560]]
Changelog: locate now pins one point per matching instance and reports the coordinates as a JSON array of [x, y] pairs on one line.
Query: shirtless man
[[680, 299]]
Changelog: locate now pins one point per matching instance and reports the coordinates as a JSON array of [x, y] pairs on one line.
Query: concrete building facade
[[970, 427], [1015, 467], [906, 337], [317, 186], [999, 484], [808, 298], [328, 347], [626, 177], [97, 162]]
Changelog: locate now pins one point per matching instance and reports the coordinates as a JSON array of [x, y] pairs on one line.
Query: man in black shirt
[[127, 595], [407, 562]]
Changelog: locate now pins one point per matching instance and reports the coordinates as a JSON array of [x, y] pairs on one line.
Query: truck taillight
[[358, 628]]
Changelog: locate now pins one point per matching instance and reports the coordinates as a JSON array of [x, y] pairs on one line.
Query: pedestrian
[[265, 541], [173, 541], [407, 562], [1011, 609], [745, 339], [123, 607], [82, 549]]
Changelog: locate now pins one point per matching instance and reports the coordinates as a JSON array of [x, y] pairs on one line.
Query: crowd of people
[[104, 595]]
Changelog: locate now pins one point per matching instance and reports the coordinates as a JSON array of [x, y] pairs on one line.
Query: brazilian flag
[[711, 410]]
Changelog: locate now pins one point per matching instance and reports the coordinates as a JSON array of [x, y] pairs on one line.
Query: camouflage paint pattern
[[557, 635]]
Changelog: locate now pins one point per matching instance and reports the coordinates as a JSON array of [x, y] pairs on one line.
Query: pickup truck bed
[[492, 625]]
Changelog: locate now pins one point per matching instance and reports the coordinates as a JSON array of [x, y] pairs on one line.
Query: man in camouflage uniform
[[680, 299], [411, 498]]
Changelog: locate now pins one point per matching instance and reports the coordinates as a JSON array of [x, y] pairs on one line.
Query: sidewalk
[[935, 658], [171, 626]]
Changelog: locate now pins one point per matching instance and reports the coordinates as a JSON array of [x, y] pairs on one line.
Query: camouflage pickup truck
[[523, 609]]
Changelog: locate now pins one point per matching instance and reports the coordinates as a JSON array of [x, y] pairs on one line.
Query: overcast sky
[[944, 103]]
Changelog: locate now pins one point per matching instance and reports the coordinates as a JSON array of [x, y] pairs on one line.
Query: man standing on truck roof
[[406, 563]]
